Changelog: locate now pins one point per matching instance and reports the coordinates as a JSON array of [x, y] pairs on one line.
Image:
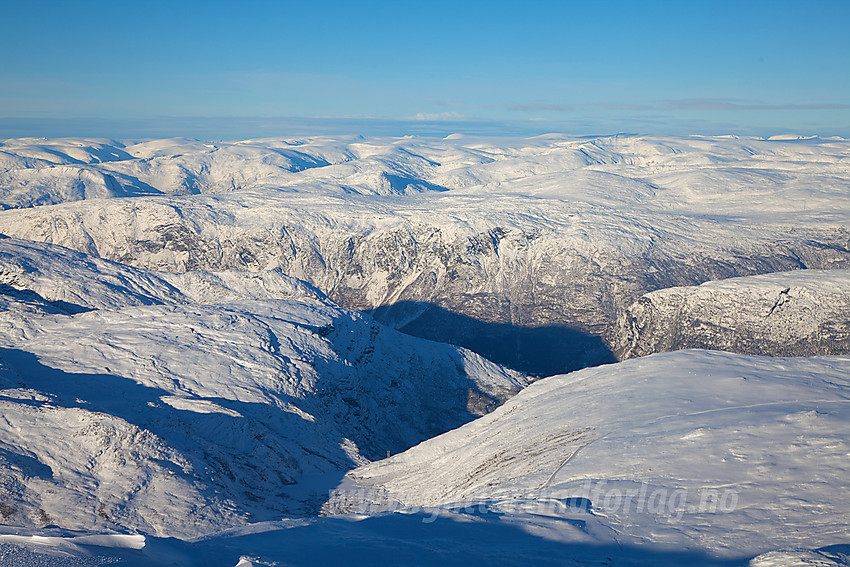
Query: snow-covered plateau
[[201, 363], [799, 313]]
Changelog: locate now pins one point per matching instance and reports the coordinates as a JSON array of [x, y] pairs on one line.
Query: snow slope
[[728, 454], [799, 313], [453, 538], [482, 236], [689, 458], [142, 408]]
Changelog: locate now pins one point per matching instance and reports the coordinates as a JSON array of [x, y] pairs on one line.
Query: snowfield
[[696, 450], [693, 457]]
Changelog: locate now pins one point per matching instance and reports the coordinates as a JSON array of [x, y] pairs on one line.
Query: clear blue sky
[[748, 67]]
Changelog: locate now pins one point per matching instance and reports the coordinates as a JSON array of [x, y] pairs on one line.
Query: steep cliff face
[[476, 241], [800, 313]]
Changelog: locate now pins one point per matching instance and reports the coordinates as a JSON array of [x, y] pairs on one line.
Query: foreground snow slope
[[452, 538], [724, 453], [467, 240], [799, 313], [688, 458], [174, 417]]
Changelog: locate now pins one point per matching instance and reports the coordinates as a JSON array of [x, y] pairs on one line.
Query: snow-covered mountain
[[729, 454], [799, 313], [180, 355], [180, 404], [471, 240], [688, 458]]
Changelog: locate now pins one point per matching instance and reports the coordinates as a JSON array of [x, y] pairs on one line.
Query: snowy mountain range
[[485, 237], [200, 340]]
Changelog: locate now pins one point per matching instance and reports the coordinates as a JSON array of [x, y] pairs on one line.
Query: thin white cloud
[[541, 106], [697, 104], [736, 104], [437, 116]]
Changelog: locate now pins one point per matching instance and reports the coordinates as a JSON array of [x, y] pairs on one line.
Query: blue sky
[[590, 67]]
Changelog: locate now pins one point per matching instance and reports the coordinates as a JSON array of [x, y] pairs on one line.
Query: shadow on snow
[[539, 351]]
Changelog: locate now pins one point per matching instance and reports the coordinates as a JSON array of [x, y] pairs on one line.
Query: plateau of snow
[[799, 313]]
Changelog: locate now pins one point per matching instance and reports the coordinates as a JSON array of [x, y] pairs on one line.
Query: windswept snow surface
[[728, 454], [799, 313], [176, 405], [468, 240]]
